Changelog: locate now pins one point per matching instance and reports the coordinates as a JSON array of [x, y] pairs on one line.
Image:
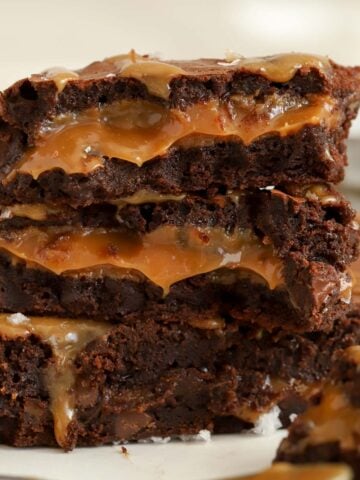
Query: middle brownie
[[270, 257]]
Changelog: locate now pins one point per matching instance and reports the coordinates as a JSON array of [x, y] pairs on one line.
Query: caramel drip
[[165, 256], [284, 471], [61, 76], [42, 211], [67, 339], [279, 68], [156, 75], [334, 419], [138, 131], [148, 196], [35, 211], [353, 354]]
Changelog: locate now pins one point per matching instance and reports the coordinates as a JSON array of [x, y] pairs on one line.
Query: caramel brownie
[[83, 382], [266, 257], [133, 122]]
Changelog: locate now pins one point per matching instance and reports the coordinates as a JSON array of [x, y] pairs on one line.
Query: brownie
[[148, 378], [329, 431], [308, 239], [174, 256], [293, 112], [315, 220]]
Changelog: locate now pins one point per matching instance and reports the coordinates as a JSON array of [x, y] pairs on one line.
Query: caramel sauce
[[148, 196], [279, 68], [285, 471], [61, 76], [42, 211], [156, 75], [35, 211], [208, 323], [334, 419], [353, 354], [137, 131], [165, 256], [320, 192], [67, 338]]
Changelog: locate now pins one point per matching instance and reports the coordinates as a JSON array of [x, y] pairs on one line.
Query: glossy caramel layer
[[335, 418], [138, 131], [165, 256], [157, 75]]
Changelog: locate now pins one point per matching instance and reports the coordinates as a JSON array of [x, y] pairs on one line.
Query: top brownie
[[133, 122]]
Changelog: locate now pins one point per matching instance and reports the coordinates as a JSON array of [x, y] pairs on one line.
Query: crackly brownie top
[[178, 83], [132, 109]]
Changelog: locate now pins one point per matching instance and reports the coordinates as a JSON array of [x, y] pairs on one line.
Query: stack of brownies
[[173, 254]]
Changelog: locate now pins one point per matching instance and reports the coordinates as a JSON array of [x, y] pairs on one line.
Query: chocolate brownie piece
[[199, 252], [175, 127], [314, 219], [94, 383], [301, 304], [330, 429]]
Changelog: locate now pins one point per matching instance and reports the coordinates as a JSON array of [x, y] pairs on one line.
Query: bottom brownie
[[329, 431], [89, 383]]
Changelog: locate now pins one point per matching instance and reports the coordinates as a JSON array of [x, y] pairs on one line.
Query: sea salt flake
[[17, 319], [292, 417], [202, 436], [5, 213], [160, 440], [71, 337], [268, 423], [267, 382]]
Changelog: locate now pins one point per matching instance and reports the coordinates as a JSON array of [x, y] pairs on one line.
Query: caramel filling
[[353, 354], [67, 339], [42, 211], [335, 419], [61, 76], [137, 131], [35, 211], [284, 471], [165, 256], [279, 68]]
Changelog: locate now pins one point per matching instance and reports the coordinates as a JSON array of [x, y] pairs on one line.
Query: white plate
[[224, 456]]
